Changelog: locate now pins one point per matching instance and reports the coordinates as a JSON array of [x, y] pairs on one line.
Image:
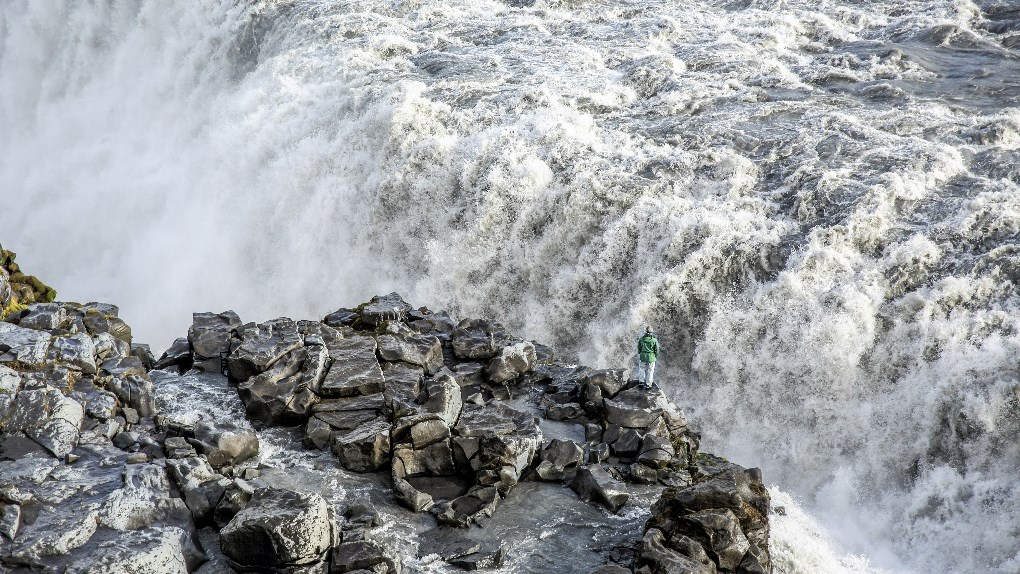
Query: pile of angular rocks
[[92, 476]]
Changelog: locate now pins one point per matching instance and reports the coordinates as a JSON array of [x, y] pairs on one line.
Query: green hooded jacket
[[648, 348]]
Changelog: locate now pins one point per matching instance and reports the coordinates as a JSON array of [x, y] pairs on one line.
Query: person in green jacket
[[648, 350]]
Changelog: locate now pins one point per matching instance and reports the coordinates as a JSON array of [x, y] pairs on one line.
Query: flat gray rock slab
[[355, 369]]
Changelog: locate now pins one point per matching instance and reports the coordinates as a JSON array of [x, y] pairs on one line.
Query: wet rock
[[77, 352], [627, 444], [101, 405], [410, 496], [280, 396], [261, 346], [403, 385], [593, 483], [210, 335], [201, 486], [10, 520], [643, 474], [609, 381], [447, 543], [279, 528], [719, 514], [142, 500], [361, 513], [655, 555], [560, 460], [157, 550], [58, 432], [236, 497], [26, 346], [178, 356], [341, 318], [444, 399], [433, 460], [490, 555], [143, 353], [400, 344], [223, 442], [136, 392], [611, 569], [564, 412], [363, 555], [364, 449], [656, 452], [512, 362], [632, 408], [384, 308], [355, 369], [102, 318], [178, 447], [477, 339]]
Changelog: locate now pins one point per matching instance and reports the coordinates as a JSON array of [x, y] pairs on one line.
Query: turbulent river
[[816, 202]]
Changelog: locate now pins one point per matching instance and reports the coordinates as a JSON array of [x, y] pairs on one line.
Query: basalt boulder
[[279, 529]]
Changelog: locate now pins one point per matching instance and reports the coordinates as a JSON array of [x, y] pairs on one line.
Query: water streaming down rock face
[[816, 205]]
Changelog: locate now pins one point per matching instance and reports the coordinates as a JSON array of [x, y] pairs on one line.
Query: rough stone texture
[[594, 484], [76, 352], [477, 339], [632, 408], [280, 528], [403, 385], [512, 362], [400, 344], [560, 459], [26, 346], [177, 356], [210, 334], [136, 392], [355, 369], [384, 308], [280, 395], [223, 442], [158, 550], [655, 555], [608, 381], [261, 346], [363, 555], [366, 448], [444, 399], [725, 515]]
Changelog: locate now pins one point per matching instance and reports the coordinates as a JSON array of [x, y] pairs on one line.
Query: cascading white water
[[816, 203]]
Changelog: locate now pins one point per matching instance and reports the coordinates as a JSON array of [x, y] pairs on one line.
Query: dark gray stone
[[632, 408], [280, 528], [364, 449], [355, 369], [210, 333], [511, 362], [261, 346], [363, 555], [400, 344], [384, 308], [477, 339], [593, 483]]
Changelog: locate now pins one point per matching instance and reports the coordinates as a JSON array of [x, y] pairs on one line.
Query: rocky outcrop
[[452, 414], [719, 524], [17, 290]]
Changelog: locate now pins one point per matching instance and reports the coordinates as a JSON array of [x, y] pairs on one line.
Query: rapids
[[817, 204]]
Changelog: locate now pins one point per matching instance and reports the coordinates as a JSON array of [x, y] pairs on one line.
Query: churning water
[[817, 202]]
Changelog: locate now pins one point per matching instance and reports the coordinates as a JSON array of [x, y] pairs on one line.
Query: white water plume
[[815, 203]]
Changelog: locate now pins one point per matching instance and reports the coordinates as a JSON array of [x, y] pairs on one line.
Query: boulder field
[[94, 478]]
